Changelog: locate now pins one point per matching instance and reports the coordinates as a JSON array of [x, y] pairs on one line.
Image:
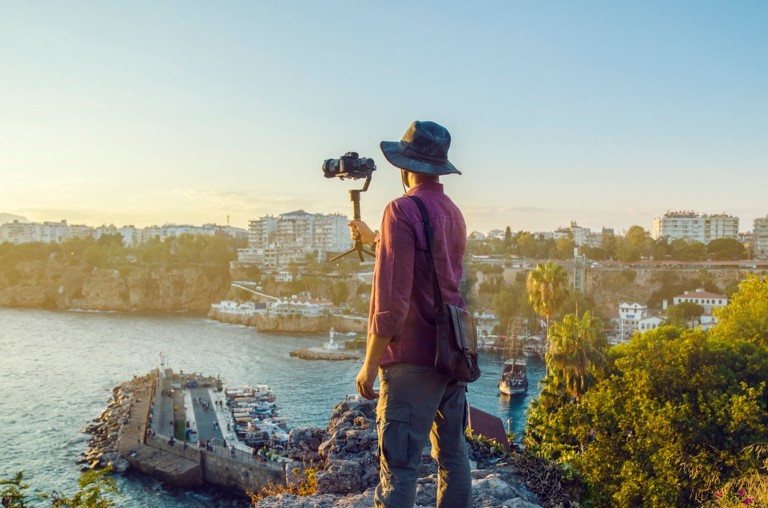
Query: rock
[[317, 354], [119, 465], [303, 444], [340, 477], [493, 487], [347, 467], [109, 457]]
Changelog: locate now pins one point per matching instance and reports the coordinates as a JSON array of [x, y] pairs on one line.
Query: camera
[[349, 165]]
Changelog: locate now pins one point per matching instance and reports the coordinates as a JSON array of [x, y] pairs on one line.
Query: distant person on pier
[[416, 403]]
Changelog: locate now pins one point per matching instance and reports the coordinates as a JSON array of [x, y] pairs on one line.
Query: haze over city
[[605, 113]]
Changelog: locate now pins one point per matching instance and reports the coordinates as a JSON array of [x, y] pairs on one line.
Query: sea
[[58, 368]]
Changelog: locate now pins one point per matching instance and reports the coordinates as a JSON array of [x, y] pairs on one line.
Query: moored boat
[[514, 377]]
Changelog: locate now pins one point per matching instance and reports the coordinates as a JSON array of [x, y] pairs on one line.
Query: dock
[[176, 427]]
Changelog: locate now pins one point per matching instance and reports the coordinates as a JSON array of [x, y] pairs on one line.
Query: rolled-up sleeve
[[393, 275]]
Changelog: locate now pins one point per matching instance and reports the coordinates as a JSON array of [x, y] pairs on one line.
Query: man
[[416, 402]]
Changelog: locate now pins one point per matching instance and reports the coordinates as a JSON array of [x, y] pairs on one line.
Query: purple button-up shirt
[[402, 298]]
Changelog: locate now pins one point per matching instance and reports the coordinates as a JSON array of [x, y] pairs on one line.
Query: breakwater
[[264, 322], [143, 427]]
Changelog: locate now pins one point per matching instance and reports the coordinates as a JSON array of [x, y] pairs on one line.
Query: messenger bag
[[456, 340]]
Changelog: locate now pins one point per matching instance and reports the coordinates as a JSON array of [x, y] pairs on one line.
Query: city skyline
[[607, 114], [6, 218]]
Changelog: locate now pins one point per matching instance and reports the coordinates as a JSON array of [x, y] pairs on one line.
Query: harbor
[[99, 351], [189, 430]]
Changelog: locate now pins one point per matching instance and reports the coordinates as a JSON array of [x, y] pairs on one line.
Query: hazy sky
[[607, 113]]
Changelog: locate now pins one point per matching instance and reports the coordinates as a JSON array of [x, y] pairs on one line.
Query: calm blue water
[[57, 370]]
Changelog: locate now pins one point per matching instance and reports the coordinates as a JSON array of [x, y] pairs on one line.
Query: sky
[[606, 113]]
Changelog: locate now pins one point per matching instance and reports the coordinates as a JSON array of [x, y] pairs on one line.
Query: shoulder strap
[[438, 297]]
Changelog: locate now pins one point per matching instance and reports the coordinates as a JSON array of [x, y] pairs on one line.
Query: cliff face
[[56, 285], [609, 288]]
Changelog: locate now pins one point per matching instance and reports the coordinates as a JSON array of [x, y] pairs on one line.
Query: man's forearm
[[377, 345]]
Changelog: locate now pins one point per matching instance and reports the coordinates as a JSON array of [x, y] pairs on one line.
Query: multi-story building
[[688, 225], [56, 232], [649, 323], [132, 235], [18, 232], [485, 323], [706, 300], [581, 236], [760, 237], [630, 315], [274, 242], [47, 232]]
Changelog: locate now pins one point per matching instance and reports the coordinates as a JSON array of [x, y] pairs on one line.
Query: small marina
[[188, 430], [121, 349]]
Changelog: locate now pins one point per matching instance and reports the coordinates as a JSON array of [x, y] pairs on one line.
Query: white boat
[[514, 377], [534, 347]]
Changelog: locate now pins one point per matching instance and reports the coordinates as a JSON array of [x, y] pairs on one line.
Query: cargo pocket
[[393, 433]]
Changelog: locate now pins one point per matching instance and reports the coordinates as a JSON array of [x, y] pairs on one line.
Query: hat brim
[[391, 150]]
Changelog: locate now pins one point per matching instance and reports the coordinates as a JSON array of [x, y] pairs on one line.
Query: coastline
[[292, 324]]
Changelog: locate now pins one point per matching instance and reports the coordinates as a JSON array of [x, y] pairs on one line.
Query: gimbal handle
[[354, 196]]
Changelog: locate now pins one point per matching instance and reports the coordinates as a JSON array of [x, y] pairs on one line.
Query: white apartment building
[[176, 230], [760, 237], [688, 225], [48, 232], [18, 232], [582, 237], [705, 299], [630, 315], [649, 323], [485, 323], [274, 242], [132, 235], [55, 232]]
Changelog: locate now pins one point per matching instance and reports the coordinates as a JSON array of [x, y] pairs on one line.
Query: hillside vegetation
[[184, 273], [676, 417]]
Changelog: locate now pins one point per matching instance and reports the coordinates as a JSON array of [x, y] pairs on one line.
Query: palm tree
[[547, 287], [575, 353]]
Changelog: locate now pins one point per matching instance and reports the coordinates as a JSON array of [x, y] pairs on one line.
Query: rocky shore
[[115, 422], [316, 353], [345, 461], [292, 323], [339, 464]]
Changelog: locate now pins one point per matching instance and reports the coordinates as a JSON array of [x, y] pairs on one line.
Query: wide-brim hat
[[423, 149]]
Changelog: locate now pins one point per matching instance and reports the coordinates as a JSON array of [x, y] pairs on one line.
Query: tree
[[660, 250], [677, 417], [609, 244], [547, 287], [565, 248], [746, 315], [684, 250], [526, 244], [340, 293], [726, 249], [505, 305], [684, 314], [636, 243], [575, 354], [13, 495], [639, 238], [96, 489], [676, 409]]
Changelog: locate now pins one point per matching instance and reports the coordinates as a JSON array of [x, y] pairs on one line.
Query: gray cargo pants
[[417, 403]]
